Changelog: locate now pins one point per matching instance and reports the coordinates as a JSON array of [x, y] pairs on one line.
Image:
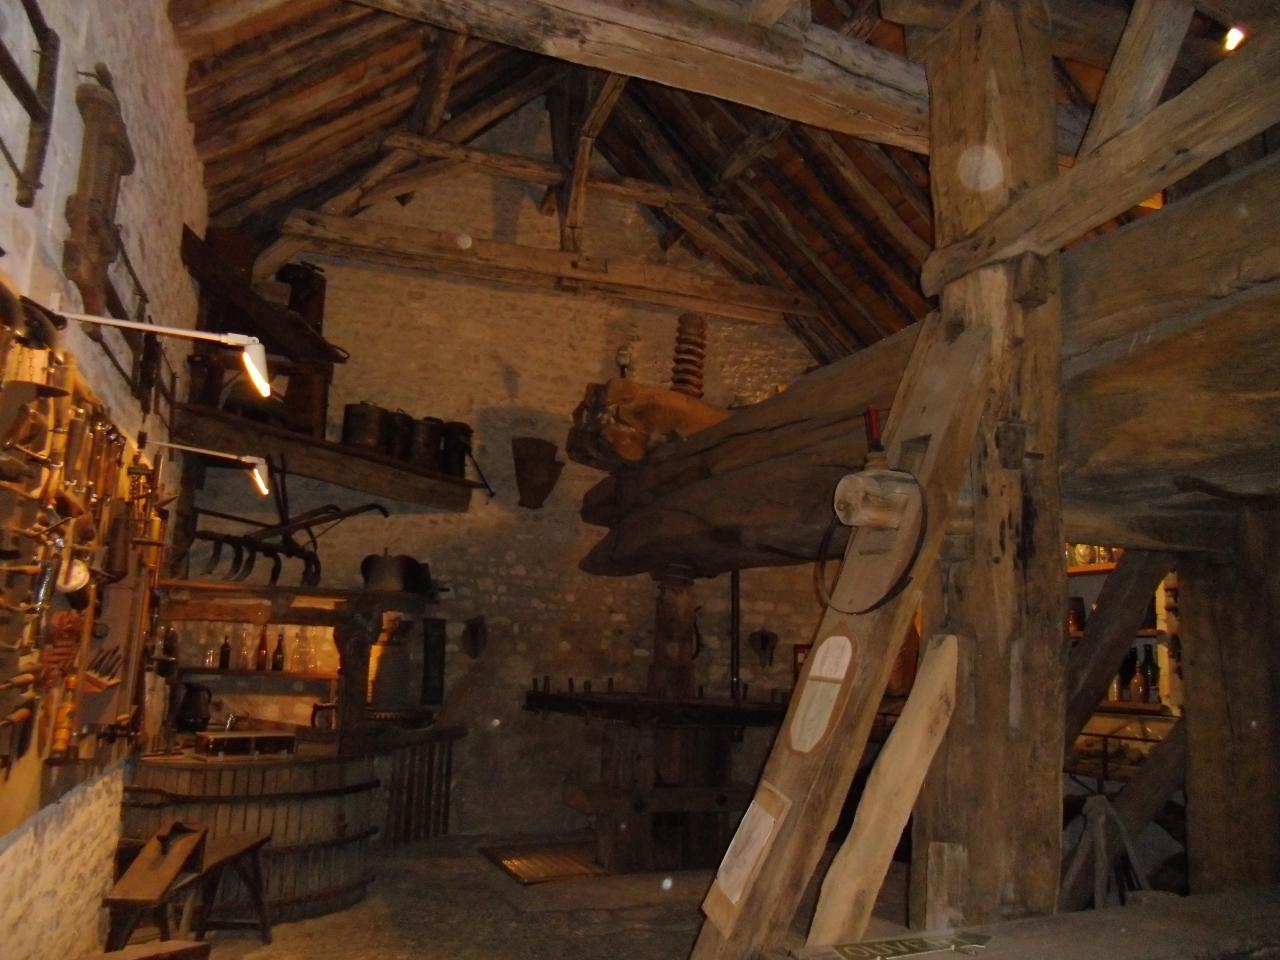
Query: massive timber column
[[988, 821], [1230, 621]]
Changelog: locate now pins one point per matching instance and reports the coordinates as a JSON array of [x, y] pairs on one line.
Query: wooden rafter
[[768, 12], [442, 71], [206, 29], [603, 97], [1138, 74], [1233, 102]]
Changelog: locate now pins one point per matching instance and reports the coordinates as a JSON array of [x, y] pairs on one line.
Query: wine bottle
[[224, 653], [260, 662], [1150, 677], [277, 658]]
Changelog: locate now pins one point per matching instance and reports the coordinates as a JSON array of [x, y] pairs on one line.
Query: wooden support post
[[858, 870], [931, 429], [1231, 670], [1004, 745], [671, 673]]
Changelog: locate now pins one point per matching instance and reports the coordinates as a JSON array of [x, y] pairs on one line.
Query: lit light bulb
[[1235, 36], [463, 240]]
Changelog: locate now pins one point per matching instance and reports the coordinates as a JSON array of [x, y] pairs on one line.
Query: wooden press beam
[[1002, 585], [1234, 101], [620, 277]]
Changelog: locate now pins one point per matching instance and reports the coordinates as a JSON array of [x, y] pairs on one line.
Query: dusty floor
[[444, 901]]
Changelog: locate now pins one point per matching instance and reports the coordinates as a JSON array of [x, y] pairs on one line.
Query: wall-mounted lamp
[[257, 465], [252, 352]]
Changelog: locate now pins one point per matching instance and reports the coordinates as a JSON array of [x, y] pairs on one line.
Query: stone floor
[[444, 901]]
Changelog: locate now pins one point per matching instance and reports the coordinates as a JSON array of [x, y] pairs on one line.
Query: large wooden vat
[[322, 814]]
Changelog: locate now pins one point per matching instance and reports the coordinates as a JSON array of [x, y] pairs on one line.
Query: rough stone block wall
[[56, 869], [55, 866], [515, 362]]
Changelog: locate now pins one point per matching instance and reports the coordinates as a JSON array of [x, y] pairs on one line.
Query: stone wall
[[56, 869], [55, 866], [515, 362]]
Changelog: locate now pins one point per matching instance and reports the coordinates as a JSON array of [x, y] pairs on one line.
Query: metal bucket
[[364, 425]]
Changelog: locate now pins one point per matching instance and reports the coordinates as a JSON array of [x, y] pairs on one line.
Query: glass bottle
[[278, 657], [224, 652], [1150, 676], [263, 655]]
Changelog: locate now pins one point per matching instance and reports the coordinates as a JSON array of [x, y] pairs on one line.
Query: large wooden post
[[995, 787], [994, 127], [1230, 620]]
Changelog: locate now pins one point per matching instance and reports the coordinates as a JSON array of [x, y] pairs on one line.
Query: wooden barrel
[[321, 813]]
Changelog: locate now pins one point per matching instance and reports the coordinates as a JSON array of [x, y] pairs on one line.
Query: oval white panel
[[828, 667]]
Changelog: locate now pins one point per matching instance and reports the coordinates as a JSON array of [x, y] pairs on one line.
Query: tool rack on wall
[[80, 544]]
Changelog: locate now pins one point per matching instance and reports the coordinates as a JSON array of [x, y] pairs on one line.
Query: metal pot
[[399, 434], [455, 448], [424, 443], [193, 712], [364, 425]]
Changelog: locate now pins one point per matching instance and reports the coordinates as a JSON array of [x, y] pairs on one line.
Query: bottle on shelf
[[1150, 676], [224, 652], [209, 648], [260, 661], [278, 657], [1128, 671]]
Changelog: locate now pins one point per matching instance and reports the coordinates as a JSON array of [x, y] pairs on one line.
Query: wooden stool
[[181, 862]]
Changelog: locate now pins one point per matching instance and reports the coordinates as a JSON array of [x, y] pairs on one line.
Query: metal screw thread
[[690, 355]]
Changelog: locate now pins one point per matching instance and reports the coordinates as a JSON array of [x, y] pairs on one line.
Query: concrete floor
[[445, 901]]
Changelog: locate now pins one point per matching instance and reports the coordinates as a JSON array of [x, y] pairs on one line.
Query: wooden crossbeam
[[1236, 100], [1138, 74], [539, 172], [619, 277]]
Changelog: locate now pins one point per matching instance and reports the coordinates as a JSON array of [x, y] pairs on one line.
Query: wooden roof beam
[[1138, 74], [618, 277], [768, 12], [538, 172], [1234, 101], [820, 77], [205, 28], [897, 229], [1084, 30]]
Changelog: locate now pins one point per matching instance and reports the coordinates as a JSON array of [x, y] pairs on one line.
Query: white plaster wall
[[55, 870]]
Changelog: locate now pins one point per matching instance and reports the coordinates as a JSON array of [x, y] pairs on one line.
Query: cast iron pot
[[398, 574]]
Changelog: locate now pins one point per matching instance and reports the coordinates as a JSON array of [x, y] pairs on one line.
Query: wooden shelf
[[1134, 707], [1090, 568], [370, 473], [320, 675]]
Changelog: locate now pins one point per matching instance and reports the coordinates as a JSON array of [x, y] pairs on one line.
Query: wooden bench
[[181, 863]]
